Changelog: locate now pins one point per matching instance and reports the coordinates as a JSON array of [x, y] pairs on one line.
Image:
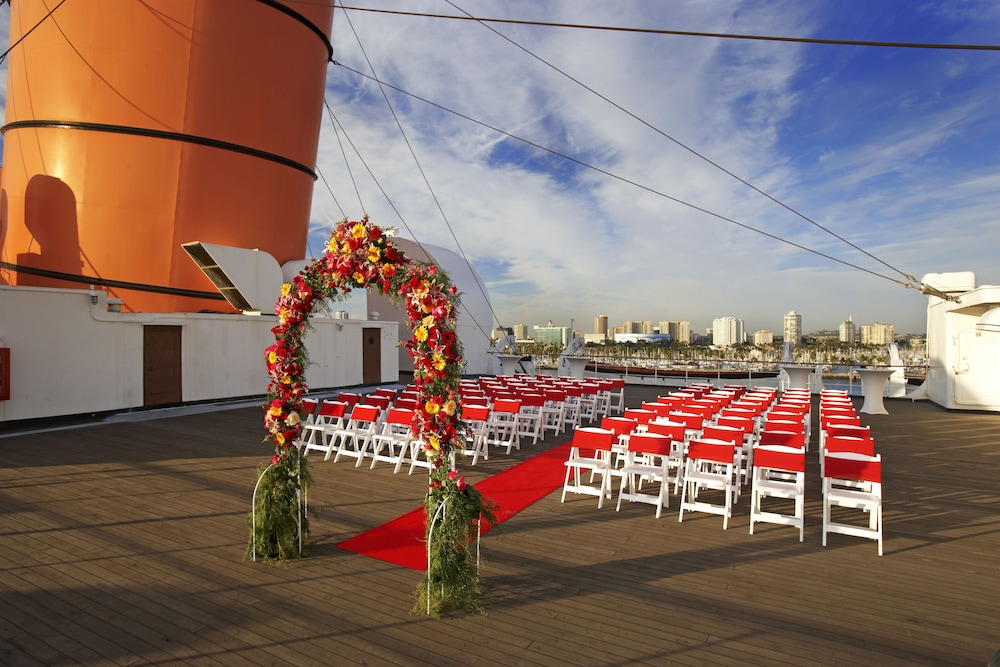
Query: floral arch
[[361, 255]]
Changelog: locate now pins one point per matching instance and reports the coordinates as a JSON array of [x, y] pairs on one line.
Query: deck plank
[[124, 543]]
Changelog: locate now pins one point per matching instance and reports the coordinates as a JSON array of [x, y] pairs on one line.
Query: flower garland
[[360, 255]]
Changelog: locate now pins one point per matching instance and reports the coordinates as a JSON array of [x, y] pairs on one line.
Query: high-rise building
[[632, 327], [727, 331], [646, 327], [521, 331], [680, 332], [848, 332], [601, 324], [501, 332], [551, 335], [763, 337], [793, 327], [877, 334]]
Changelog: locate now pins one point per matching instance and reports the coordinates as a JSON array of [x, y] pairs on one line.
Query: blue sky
[[895, 150]]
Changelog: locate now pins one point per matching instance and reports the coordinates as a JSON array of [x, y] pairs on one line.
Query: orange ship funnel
[[134, 127]]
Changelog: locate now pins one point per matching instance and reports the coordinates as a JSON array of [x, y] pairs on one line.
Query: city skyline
[[749, 326], [836, 327]]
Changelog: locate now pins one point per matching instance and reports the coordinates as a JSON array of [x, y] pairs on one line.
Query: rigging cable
[[627, 181], [402, 221], [690, 33], [426, 181], [912, 280], [25, 35], [343, 152]]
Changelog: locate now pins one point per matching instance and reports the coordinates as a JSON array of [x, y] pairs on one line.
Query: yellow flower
[[359, 277], [420, 334], [332, 245], [374, 254], [275, 411], [432, 408], [428, 321], [272, 358], [358, 231], [286, 289], [279, 437], [434, 442], [438, 362]]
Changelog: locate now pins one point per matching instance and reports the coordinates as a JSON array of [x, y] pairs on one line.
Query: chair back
[[794, 439], [724, 433], [332, 409], [508, 405], [742, 423], [473, 413], [716, 452], [780, 458], [849, 430], [640, 416], [842, 443], [588, 441], [378, 400], [399, 416], [854, 468], [407, 403], [650, 443], [349, 397], [672, 430], [555, 395], [689, 419], [619, 425], [532, 400], [365, 413], [388, 393]]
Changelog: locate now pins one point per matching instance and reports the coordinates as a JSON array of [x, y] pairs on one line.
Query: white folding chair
[[476, 419], [842, 475], [708, 466], [355, 436], [647, 459], [390, 443], [787, 484], [530, 417], [503, 427], [554, 411], [674, 431], [328, 420], [590, 450]]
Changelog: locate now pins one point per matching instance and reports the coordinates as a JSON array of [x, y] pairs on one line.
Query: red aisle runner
[[401, 541]]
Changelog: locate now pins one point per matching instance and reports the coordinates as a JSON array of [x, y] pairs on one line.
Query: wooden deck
[[122, 544]]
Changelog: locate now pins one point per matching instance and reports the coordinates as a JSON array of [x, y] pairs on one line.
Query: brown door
[[371, 362], [161, 365]]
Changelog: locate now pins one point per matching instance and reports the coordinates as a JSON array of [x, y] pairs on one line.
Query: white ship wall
[[963, 352], [71, 357]]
